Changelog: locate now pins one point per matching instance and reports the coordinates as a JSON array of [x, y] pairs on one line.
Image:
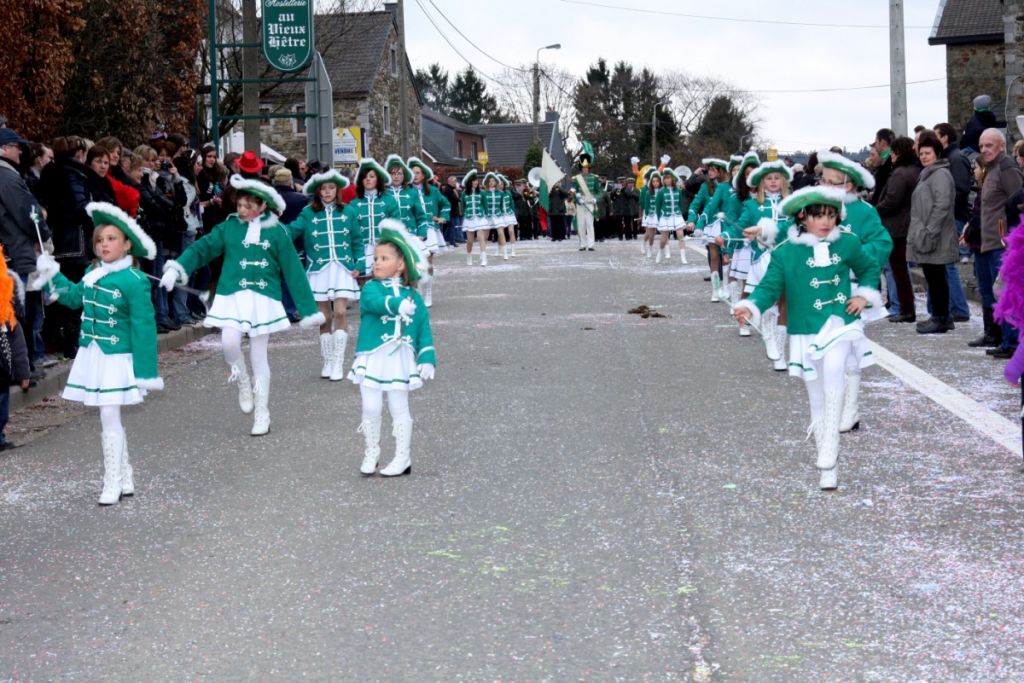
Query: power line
[[467, 39], [452, 45], [743, 20], [813, 90]]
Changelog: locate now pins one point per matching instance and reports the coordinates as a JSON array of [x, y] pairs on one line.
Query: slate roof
[[507, 143], [968, 21], [447, 121], [353, 46], [436, 154]]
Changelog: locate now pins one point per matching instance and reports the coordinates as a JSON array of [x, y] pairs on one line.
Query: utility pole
[[403, 124], [250, 64], [536, 100], [897, 69], [654, 135]]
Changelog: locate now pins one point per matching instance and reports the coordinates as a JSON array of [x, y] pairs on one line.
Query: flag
[[550, 176]]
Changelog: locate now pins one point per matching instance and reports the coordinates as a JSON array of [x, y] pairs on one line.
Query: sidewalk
[[57, 375]]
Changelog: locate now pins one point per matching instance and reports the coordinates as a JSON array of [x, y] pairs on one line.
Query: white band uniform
[[248, 311], [100, 379], [333, 281]]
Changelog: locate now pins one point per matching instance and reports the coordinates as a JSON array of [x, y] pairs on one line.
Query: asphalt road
[[594, 497]]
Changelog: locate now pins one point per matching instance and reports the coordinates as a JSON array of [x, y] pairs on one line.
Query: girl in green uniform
[[116, 362], [258, 253], [813, 269], [474, 217], [649, 208], [395, 351]]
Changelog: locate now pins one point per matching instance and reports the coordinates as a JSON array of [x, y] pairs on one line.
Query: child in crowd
[[395, 351], [14, 365], [474, 217], [258, 252], [649, 209], [371, 205], [116, 363]]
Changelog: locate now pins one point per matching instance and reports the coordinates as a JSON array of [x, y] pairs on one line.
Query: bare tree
[[514, 90], [692, 97]]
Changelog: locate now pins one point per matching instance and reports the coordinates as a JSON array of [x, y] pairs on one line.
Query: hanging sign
[[288, 33]]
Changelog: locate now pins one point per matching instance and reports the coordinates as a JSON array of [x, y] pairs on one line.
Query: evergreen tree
[[470, 102], [433, 86], [722, 128]]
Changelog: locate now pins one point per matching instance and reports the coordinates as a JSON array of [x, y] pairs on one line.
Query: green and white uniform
[[493, 202], [389, 347], [332, 248], [815, 277], [117, 356], [249, 290], [668, 205], [649, 207], [365, 214], [474, 217], [774, 226], [411, 210], [436, 206]]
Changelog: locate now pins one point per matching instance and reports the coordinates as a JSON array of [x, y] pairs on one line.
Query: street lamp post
[[536, 91], [654, 128]]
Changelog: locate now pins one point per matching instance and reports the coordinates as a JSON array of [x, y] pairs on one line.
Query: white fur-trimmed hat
[[766, 169], [103, 213], [858, 175], [260, 189]]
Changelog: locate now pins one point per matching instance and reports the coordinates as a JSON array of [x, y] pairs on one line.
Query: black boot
[[934, 326], [993, 335]]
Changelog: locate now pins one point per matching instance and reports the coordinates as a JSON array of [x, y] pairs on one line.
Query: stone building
[[361, 56], [449, 145], [983, 56]]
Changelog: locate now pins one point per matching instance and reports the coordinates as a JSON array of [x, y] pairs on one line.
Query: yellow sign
[[481, 158], [348, 146], [773, 154]]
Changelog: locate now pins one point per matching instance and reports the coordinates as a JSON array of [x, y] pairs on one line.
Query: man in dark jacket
[[883, 143], [557, 218], [294, 202], [453, 229], [21, 229]]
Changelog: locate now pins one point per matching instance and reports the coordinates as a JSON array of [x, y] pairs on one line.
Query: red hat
[[250, 163]]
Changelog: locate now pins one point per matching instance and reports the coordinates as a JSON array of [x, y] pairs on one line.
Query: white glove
[[426, 371], [407, 309], [46, 268], [665, 159], [169, 279], [634, 160]]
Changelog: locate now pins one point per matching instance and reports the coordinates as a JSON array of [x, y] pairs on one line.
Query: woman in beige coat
[[932, 239]]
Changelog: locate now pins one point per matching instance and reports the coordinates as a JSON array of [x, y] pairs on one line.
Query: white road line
[[990, 423], [1006, 433]]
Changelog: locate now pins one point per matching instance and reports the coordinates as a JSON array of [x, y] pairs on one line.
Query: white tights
[[110, 418], [373, 403], [831, 376], [231, 340]]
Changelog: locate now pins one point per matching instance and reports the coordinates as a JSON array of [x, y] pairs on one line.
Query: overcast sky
[[751, 55]]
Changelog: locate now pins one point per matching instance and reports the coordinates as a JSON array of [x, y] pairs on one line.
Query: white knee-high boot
[[240, 375], [113, 447], [339, 343], [826, 430], [770, 333], [780, 364], [327, 353], [127, 474], [659, 255], [682, 252], [261, 397], [850, 420], [402, 464], [426, 288], [716, 287], [370, 429]]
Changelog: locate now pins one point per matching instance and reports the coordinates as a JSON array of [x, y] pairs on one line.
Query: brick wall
[[972, 70]]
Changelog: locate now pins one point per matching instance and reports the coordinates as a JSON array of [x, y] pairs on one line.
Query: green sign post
[[288, 33]]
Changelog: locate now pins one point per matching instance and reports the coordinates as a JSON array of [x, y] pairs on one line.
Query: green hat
[[648, 177], [649, 172], [471, 174], [719, 163], [416, 162], [735, 160], [857, 174], [766, 169], [395, 232], [331, 176], [749, 160], [103, 213], [809, 196], [370, 164], [395, 160], [487, 178], [258, 188], [586, 155], [669, 172]]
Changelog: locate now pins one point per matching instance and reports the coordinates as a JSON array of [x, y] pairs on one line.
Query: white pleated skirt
[[671, 223], [333, 281], [739, 266], [758, 269], [435, 240], [248, 311], [100, 379], [387, 368], [476, 223], [807, 350], [650, 221]]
